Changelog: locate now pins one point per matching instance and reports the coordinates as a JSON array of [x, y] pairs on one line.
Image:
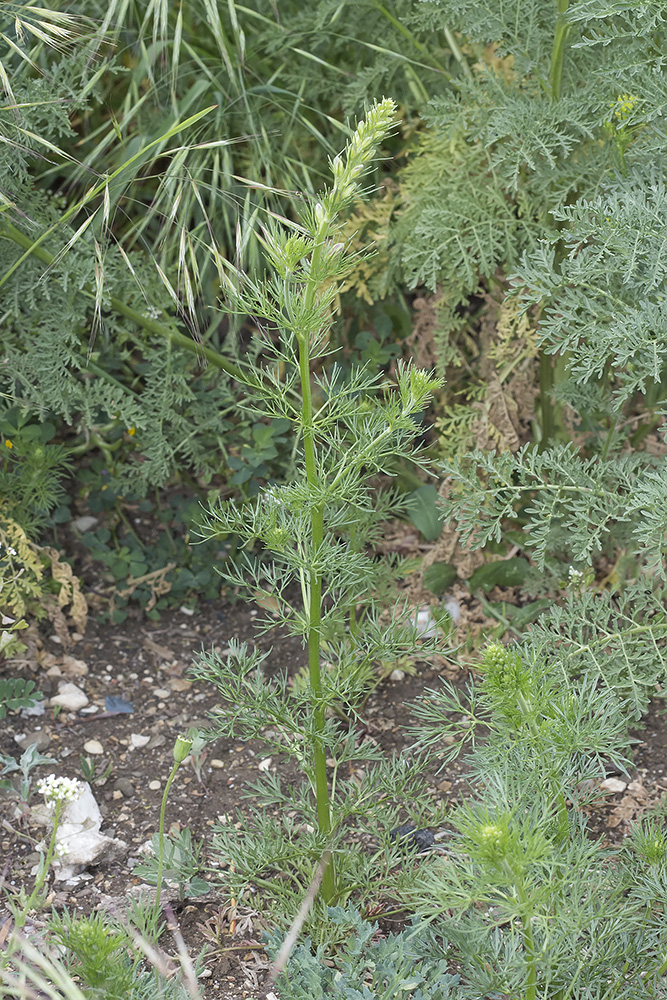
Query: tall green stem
[[424, 49], [555, 81], [315, 580], [160, 857], [529, 948], [35, 896], [546, 404], [558, 51]]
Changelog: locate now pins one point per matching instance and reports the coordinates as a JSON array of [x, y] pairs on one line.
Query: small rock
[[117, 794], [54, 671], [38, 738], [39, 708], [264, 765], [411, 837], [425, 624], [397, 675], [70, 697], [79, 832], [74, 667], [125, 787], [94, 747], [137, 740], [613, 785], [158, 740], [84, 523], [161, 692], [217, 763], [179, 684], [90, 710], [114, 703], [453, 608], [154, 786]]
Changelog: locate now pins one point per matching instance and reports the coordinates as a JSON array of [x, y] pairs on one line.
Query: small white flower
[[153, 313], [59, 789], [575, 576], [60, 850]]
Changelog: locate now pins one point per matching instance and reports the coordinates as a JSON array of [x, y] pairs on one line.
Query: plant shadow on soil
[[147, 666]]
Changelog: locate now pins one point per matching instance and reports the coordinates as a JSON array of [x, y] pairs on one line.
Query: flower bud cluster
[[508, 680], [623, 106], [349, 169], [59, 789], [416, 387]]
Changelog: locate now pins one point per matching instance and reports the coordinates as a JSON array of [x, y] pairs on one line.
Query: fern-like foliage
[[617, 642], [555, 109], [539, 162], [399, 965], [577, 506], [603, 300]]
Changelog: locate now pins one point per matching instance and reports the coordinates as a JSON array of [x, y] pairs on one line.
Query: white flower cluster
[[11, 551], [59, 789], [575, 576]]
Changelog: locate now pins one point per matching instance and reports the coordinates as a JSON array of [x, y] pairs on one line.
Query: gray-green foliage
[[533, 126], [541, 165], [521, 898], [603, 292], [368, 966], [532, 904], [571, 507]]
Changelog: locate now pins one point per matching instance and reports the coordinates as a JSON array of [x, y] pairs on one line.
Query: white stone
[[154, 786], [39, 708], [397, 675], [84, 523], [70, 697], [613, 785], [453, 608], [264, 765], [93, 746], [425, 624], [138, 741]]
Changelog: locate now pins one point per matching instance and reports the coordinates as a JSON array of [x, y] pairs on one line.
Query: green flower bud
[[182, 748]]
